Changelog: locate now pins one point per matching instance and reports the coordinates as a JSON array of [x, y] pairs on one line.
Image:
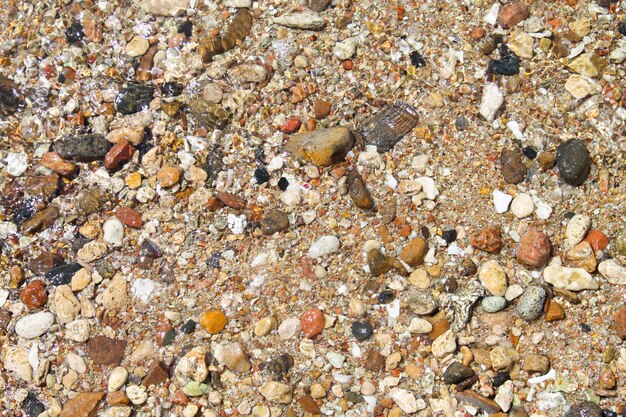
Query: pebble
[[34, 325], [196, 389], [491, 101], [501, 201], [508, 64], [106, 351], [522, 205], [521, 43], [54, 161], [513, 291], [534, 249], [234, 358], [362, 330], [133, 99], [573, 162], [419, 325], [577, 229], [132, 135], [493, 277], [571, 279], [504, 397], [530, 304], [582, 256], [598, 240], [82, 148], [512, 14], [488, 239], [312, 322], [67, 306], [288, 328], [137, 46], [588, 64], [536, 363], [265, 326], [580, 86], [345, 49], [414, 252], [613, 271], [117, 378], [164, 7], [493, 304], [274, 221], [358, 191], [322, 147], [119, 153], [276, 392], [169, 175], [585, 409], [555, 312], [17, 163], [115, 294], [444, 344], [456, 372], [388, 126], [513, 168], [84, 404], [32, 407], [301, 20], [34, 295], [213, 321], [137, 394], [404, 399], [113, 232], [129, 216], [322, 109], [324, 246], [620, 323], [156, 374]]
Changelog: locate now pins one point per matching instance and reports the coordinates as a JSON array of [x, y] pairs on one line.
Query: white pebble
[[117, 378], [577, 229], [34, 325], [344, 50], [113, 232], [137, 394], [501, 201], [522, 205], [291, 197], [17, 163], [491, 102], [324, 246], [289, 328], [428, 187]]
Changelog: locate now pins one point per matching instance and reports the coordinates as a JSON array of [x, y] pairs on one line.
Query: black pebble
[[134, 98], [573, 162], [456, 373], [214, 260], [585, 327], [32, 407], [24, 213], [508, 64], [461, 122], [449, 236], [75, 33], [62, 275], [261, 175], [609, 413], [529, 152], [61, 78], [385, 297], [186, 27], [171, 89], [569, 214], [283, 183], [500, 378], [362, 330], [417, 60], [622, 28], [425, 232]]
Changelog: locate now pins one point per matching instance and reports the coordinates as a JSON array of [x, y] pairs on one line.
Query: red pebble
[[312, 322], [120, 152], [597, 240], [34, 295], [291, 125], [534, 249], [129, 216], [620, 323], [348, 64]]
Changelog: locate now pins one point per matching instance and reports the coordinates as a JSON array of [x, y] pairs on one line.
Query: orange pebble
[[597, 240], [348, 64]]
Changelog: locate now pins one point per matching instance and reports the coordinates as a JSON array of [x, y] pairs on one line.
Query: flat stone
[[106, 351], [580, 86], [536, 363], [572, 279], [156, 374], [301, 20], [444, 344], [589, 64], [34, 325], [276, 392], [322, 147], [164, 7], [483, 403], [84, 404], [577, 229], [82, 148]]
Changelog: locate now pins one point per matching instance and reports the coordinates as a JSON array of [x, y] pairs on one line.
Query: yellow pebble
[[213, 321], [133, 180]]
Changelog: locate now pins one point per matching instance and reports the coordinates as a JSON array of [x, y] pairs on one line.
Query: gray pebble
[[493, 304], [530, 304]]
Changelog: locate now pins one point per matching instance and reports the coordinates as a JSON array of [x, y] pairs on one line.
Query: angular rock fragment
[[388, 126]]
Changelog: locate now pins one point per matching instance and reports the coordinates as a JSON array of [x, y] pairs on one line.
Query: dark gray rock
[[456, 373], [83, 148], [585, 409], [388, 126], [573, 162], [134, 98]]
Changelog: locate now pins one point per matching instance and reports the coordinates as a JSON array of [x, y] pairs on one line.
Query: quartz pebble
[[577, 229], [572, 279], [324, 246], [113, 232], [522, 205], [493, 277], [34, 325]]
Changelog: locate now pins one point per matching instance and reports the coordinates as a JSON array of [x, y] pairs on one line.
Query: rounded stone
[[213, 321], [312, 322], [534, 249], [113, 232], [573, 162], [456, 372], [34, 295], [522, 205], [362, 330], [414, 252], [34, 325], [530, 304], [493, 277], [493, 304], [117, 378]]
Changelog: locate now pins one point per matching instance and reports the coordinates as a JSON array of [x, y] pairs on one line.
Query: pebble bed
[[295, 208]]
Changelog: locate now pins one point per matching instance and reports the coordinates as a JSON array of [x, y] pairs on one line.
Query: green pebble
[[196, 389]]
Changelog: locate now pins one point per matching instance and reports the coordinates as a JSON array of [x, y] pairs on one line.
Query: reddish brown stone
[[46, 185], [157, 373], [511, 14], [117, 398], [620, 323], [533, 249], [555, 312], [41, 220], [231, 200], [312, 322], [120, 152], [92, 29], [309, 405], [55, 162], [106, 351], [485, 404], [34, 295], [358, 191], [374, 361], [129, 216], [144, 69], [168, 175], [440, 325], [45, 262], [291, 125], [322, 108], [180, 398], [488, 240], [415, 251], [17, 276], [597, 240], [478, 33], [164, 334], [84, 404]]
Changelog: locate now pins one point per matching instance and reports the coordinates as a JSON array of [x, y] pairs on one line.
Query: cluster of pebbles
[[344, 208]]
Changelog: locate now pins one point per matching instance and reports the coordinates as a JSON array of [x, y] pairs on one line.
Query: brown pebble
[[106, 351], [168, 175], [511, 14], [120, 152], [45, 262], [374, 361], [308, 404], [440, 325], [157, 373], [478, 33], [312, 322], [555, 312], [485, 404], [607, 377], [597, 240], [55, 162], [620, 323], [34, 295], [533, 249], [274, 221], [358, 191], [512, 166], [488, 240], [536, 363], [322, 109], [414, 252], [41, 220], [547, 160], [291, 125], [129, 216], [163, 331], [16, 275], [117, 398], [231, 200], [84, 404]]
